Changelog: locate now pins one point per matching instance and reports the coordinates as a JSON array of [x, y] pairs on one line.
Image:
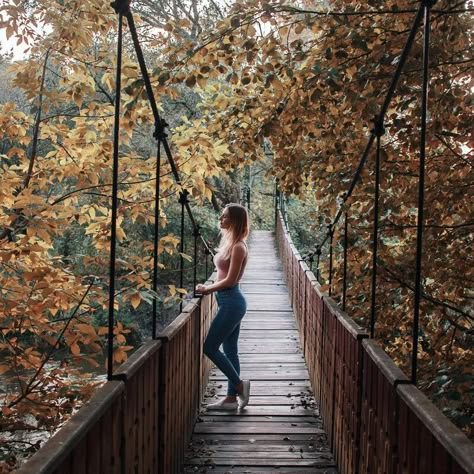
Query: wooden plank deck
[[280, 430]]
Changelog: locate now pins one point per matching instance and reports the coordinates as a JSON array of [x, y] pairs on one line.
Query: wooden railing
[[375, 419], [142, 421]]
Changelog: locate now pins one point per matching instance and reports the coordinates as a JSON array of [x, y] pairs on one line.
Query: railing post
[[378, 130], [207, 263], [344, 280], [427, 4], [183, 200], [120, 8], [318, 258], [277, 197], [159, 135], [331, 238], [196, 234]]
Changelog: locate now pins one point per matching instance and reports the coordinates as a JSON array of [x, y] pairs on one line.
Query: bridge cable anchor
[[378, 130], [160, 129], [197, 231], [121, 6], [183, 197]]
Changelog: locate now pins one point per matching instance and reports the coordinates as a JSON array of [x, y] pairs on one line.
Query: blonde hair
[[238, 230]]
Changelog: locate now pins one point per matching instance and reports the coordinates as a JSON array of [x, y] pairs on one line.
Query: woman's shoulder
[[240, 247]]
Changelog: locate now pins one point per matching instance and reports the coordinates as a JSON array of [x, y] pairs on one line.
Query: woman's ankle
[[239, 387], [230, 398]]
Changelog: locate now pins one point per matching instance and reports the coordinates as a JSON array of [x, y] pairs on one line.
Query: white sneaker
[[222, 405], [245, 395]]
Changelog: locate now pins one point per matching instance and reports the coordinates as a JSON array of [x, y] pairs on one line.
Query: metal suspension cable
[[344, 277], [379, 120], [122, 8], [160, 123], [375, 236], [206, 244], [113, 225], [156, 239], [427, 4]]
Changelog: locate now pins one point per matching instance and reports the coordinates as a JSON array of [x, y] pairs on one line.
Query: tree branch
[[36, 125], [26, 392], [430, 298]]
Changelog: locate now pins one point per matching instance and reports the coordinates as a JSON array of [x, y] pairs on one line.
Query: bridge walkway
[[280, 430]]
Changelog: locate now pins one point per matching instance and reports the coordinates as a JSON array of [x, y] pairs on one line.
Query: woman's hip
[[232, 299]]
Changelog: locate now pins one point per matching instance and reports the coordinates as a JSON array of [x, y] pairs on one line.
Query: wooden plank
[[282, 358], [321, 463], [266, 391], [271, 448], [262, 375], [79, 459], [273, 411], [258, 470], [290, 453], [238, 438], [94, 448], [238, 417], [272, 400]]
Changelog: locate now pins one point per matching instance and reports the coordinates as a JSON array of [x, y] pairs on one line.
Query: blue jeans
[[224, 330]]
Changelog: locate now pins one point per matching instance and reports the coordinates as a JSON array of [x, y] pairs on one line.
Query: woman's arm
[[237, 257]]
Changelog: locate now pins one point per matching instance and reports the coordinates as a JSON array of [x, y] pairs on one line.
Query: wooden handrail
[[376, 419], [55, 455], [143, 419]]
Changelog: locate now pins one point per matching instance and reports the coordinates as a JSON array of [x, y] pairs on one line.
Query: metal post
[[113, 224], [276, 203], [344, 281], [159, 134], [378, 131], [318, 255], [196, 234], [331, 236], [284, 209], [427, 4], [183, 200]]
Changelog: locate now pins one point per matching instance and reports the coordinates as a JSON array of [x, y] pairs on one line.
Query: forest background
[[254, 91]]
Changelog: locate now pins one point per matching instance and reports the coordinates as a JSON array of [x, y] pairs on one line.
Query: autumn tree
[[55, 212], [304, 79]]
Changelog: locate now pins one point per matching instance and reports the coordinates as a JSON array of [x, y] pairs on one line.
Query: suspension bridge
[[325, 397]]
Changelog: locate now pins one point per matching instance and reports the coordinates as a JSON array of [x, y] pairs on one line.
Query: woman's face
[[224, 220]]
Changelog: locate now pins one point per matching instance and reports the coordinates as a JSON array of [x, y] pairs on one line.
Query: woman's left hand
[[202, 289]]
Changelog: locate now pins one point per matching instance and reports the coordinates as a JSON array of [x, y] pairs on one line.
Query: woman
[[230, 262]]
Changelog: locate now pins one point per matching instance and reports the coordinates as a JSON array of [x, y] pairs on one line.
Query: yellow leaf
[[86, 329], [136, 300], [3, 369], [186, 257]]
